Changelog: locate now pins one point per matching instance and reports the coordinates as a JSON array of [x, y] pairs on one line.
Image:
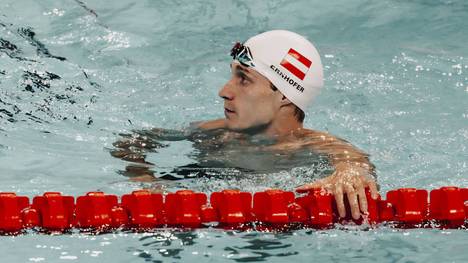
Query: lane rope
[[446, 207]]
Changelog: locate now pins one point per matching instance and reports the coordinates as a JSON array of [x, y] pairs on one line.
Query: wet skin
[[254, 110]]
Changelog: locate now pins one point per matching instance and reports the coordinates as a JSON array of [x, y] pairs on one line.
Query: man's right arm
[[353, 173]]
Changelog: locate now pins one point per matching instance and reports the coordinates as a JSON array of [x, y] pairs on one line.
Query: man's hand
[[350, 180]]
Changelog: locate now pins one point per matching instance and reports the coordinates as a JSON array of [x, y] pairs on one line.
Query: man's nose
[[226, 92]]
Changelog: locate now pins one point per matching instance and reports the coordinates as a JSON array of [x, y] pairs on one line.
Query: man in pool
[[275, 76]]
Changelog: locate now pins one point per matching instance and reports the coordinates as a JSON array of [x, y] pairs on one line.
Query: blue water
[[75, 74]]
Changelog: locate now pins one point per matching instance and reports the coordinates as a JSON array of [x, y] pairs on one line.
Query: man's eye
[[243, 80]]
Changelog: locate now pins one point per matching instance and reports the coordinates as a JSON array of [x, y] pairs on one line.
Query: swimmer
[[275, 76]]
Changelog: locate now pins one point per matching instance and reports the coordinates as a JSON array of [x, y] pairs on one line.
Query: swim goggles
[[242, 54]]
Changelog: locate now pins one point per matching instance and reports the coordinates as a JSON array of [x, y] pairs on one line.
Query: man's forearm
[[341, 152]]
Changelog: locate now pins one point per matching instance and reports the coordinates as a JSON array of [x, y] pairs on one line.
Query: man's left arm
[[353, 173]]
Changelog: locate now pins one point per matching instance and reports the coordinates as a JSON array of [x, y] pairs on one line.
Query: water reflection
[[165, 244], [215, 154], [248, 247], [260, 249]]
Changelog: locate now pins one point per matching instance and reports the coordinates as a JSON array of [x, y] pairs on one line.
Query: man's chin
[[232, 125]]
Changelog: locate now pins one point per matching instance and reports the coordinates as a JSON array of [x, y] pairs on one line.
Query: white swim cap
[[286, 59]]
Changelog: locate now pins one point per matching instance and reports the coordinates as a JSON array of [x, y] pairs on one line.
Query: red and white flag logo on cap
[[296, 63]]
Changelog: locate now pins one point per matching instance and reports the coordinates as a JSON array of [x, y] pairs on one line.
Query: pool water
[[75, 74]]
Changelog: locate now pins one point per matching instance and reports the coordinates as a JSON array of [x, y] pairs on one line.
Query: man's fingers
[[362, 198], [373, 189], [353, 201], [121, 144], [339, 200], [120, 153]]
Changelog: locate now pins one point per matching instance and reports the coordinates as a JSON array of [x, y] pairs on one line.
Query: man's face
[[249, 101]]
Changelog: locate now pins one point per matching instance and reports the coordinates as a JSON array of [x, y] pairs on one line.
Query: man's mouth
[[228, 111]]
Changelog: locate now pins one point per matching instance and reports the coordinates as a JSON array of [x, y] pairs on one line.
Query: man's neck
[[277, 129], [282, 127]]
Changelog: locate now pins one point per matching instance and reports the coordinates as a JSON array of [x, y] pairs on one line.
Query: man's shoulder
[[209, 125], [300, 139], [315, 134], [312, 137]]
